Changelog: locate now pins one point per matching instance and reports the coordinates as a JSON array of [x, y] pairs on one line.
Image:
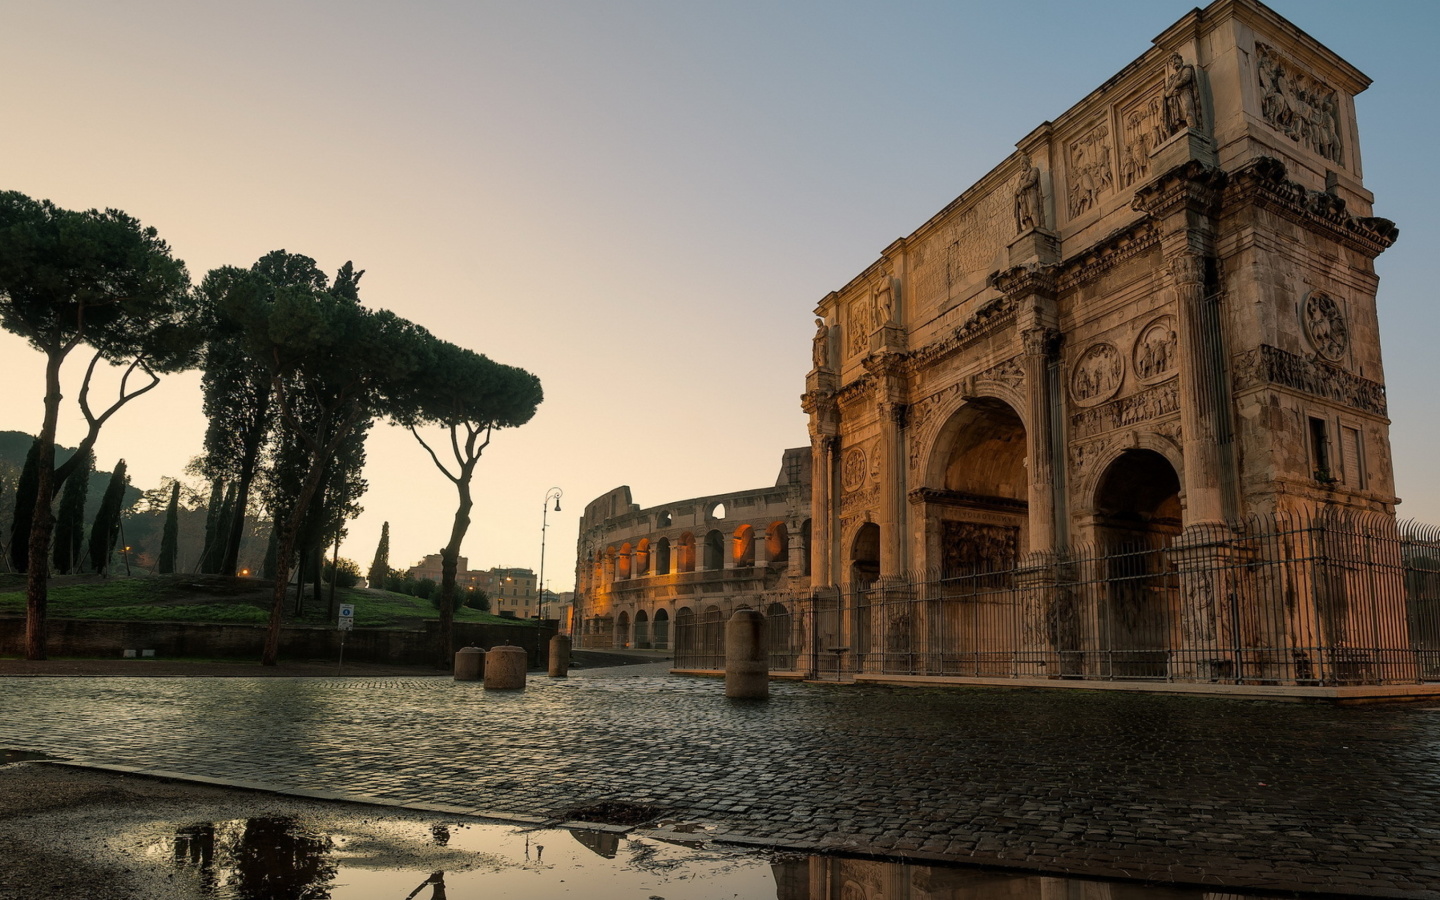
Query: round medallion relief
[[1154, 358], [852, 469], [1325, 326], [1097, 374]]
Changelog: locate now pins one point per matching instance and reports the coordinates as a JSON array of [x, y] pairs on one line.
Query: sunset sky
[[640, 202]]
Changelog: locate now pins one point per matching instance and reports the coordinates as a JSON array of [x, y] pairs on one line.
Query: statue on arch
[[1029, 202], [1182, 96]]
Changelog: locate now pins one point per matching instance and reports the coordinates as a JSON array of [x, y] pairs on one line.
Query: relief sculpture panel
[[971, 547], [1141, 122], [1097, 374], [1300, 107], [1155, 349], [1089, 172], [1325, 326]]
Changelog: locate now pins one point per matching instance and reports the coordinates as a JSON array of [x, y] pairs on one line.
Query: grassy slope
[[209, 598]]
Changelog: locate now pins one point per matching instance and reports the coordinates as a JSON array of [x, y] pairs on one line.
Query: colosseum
[[647, 577]]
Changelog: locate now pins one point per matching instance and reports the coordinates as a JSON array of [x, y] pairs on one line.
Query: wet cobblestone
[[1202, 790]]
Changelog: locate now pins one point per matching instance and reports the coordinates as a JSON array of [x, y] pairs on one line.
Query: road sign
[[347, 616]]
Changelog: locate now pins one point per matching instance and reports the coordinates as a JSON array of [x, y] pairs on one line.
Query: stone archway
[[976, 490], [1137, 518], [865, 556]]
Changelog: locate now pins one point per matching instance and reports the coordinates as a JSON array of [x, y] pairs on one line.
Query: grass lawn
[[212, 598]]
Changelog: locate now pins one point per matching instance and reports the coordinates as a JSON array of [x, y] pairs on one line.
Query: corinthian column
[[1040, 438], [1200, 406]]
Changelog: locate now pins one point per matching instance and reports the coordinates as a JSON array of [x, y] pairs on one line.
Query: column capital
[[1186, 268], [1041, 342]]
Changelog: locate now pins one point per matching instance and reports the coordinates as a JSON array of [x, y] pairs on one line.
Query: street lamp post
[[544, 523]]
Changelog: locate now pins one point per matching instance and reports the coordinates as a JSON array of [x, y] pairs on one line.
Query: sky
[[639, 201]]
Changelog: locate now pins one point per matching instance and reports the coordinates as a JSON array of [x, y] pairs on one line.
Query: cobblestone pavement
[[1196, 790]]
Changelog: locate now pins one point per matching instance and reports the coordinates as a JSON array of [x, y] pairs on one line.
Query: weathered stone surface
[[505, 669], [469, 664], [747, 671], [559, 656]]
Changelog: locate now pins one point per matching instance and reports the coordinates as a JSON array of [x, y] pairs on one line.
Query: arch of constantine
[[1118, 410]]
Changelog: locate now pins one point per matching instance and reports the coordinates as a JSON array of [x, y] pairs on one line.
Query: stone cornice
[[1262, 183], [1029, 280], [989, 318], [938, 495], [1190, 186], [1103, 256]]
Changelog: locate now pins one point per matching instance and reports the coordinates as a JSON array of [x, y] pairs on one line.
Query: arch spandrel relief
[[1097, 374]]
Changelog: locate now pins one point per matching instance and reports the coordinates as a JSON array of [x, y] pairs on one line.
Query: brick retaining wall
[[90, 638]]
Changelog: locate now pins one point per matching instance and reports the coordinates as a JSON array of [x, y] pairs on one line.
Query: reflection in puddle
[[287, 858]]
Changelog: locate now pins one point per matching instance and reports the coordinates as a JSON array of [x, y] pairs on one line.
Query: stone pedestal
[[559, 656], [747, 665], [505, 669], [469, 664], [1034, 246], [1035, 581]]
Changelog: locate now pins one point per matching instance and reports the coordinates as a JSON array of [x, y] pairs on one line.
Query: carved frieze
[[1097, 374], [1007, 373], [1153, 403], [1142, 124], [1154, 356], [1325, 326], [852, 469], [859, 500], [1089, 173], [1271, 365], [973, 547], [1302, 108]]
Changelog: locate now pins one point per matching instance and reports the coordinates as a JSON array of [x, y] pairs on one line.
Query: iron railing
[[1335, 598]]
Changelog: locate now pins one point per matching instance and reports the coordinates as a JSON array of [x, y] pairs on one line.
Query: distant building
[[510, 590]]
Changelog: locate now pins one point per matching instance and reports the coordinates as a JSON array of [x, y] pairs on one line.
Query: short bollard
[[747, 667], [505, 668], [560, 656], [469, 664]]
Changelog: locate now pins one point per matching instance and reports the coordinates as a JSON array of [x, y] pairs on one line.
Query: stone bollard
[[747, 663], [560, 656], [469, 664], [505, 668]]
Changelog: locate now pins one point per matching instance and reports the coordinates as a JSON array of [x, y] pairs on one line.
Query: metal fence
[[1331, 599]]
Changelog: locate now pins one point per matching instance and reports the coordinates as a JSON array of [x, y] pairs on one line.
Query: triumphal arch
[[1146, 339]]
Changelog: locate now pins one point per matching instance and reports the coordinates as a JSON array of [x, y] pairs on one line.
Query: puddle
[[12, 756], [292, 858]]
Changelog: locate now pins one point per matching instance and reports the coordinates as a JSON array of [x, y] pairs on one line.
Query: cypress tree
[[272, 553], [381, 566], [107, 520], [212, 526], [70, 524], [170, 538], [215, 549], [25, 490]]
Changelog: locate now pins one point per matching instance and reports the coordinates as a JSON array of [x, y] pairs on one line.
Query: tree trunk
[[270, 655], [449, 563], [38, 577], [231, 561]]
